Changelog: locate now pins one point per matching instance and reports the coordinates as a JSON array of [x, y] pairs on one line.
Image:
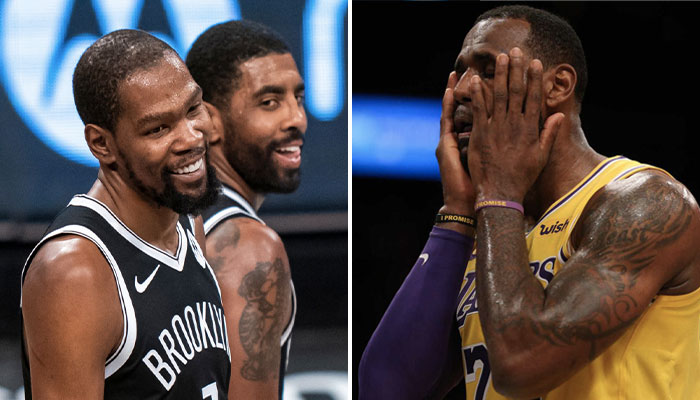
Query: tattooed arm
[[636, 238], [252, 268]]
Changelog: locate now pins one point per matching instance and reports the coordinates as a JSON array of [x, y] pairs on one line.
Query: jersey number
[[210, 391], [476, 357]]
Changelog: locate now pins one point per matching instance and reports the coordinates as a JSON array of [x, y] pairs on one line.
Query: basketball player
[[255, 96], [118, 301], [598, 299]]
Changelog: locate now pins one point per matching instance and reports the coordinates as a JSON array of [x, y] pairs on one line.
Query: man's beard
[[179, 202], [256, 165]]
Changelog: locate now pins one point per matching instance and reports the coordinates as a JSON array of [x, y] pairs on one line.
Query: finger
[[533, 103], [448, 105], [550, 131], [516, 86], [452, 80], [480, 116], [500, 87]]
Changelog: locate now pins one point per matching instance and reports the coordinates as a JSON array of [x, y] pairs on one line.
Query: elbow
[[379, 378], [370, 373], [511, 386], [519, 379]]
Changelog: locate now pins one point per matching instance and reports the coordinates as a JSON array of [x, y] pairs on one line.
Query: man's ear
[[217, 131], [101, 143], [560, 86]]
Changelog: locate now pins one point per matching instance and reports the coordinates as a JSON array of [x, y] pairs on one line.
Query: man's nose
[[296, 117], [462, 93], [189, 137]]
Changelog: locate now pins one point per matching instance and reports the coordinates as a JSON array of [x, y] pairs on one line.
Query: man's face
[[160, 137], [265, 123], [484, 42]]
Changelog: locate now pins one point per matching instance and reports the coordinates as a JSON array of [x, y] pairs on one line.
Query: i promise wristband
[[499, 203], [460, 219]]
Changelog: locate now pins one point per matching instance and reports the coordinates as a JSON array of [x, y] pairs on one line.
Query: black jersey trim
[[175, 262]]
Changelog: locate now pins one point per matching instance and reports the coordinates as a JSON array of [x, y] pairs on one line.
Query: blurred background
[[641, 102], [44, 159]]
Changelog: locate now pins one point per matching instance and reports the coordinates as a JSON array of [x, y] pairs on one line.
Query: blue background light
[[42, 150], [395, 136]]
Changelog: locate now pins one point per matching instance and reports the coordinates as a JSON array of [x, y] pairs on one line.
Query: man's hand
[[508, 149], [457, 189]]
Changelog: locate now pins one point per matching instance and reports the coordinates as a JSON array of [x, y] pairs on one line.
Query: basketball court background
[[44, 161], [641, 102]]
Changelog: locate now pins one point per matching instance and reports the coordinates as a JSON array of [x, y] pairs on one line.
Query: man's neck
[[571, 159], [152, 222], [229, 177]]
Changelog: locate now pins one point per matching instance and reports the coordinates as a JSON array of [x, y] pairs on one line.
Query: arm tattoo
[[593, 297], [267, 293], [228, 237]]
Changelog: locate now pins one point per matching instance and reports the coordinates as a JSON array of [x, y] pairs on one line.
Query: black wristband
[[460, 219]]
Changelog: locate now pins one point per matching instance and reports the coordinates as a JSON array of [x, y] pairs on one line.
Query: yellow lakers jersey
[[658, 357]]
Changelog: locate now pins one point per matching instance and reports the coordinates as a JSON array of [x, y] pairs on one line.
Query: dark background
[[641, 102]]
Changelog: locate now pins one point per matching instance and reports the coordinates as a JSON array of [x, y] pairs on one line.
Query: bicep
[[71, 322], [633, 240], [253, 273]]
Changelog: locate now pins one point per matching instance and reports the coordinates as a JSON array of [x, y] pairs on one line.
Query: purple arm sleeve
[[410, 347]]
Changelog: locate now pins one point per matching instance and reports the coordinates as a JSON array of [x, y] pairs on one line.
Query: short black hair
[[216, 55], [551, 39], [105, 65]]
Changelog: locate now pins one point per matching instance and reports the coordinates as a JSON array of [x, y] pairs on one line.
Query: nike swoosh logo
[[424, 257], [141, 286]]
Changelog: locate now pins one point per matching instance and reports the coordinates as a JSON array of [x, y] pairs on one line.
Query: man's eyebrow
[[149, 118], [277, 89], [479, 58], [274, 89]]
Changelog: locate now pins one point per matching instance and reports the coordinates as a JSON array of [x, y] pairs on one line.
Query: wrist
[[493, 194], [498, 203], [460, 227], [462, 209]]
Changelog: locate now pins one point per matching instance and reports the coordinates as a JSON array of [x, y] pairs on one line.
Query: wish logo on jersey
[[554, 228], [42, 41]]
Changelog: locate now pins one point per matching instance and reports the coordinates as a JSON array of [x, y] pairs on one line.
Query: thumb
[[550, 131]]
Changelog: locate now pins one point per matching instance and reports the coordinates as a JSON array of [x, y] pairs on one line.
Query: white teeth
[[289, 149], [190, 168]]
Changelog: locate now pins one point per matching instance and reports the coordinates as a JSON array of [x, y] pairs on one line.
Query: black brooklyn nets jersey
[[230, 204], [174, 344]]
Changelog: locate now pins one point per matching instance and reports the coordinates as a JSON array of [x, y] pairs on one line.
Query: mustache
[[293, 136]]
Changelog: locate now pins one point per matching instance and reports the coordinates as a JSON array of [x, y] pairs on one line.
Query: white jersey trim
[[128, 340], [176, 262], [226, 213], [290, 324], [235, 196]]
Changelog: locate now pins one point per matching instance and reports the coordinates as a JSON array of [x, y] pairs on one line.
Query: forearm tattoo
[[267, 293]]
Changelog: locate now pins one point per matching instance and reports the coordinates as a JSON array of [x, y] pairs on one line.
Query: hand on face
[[457, 189], [508, 149]]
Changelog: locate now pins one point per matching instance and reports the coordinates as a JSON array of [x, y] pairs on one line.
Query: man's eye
[[269, 103], [156, 130], [194, 108]]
